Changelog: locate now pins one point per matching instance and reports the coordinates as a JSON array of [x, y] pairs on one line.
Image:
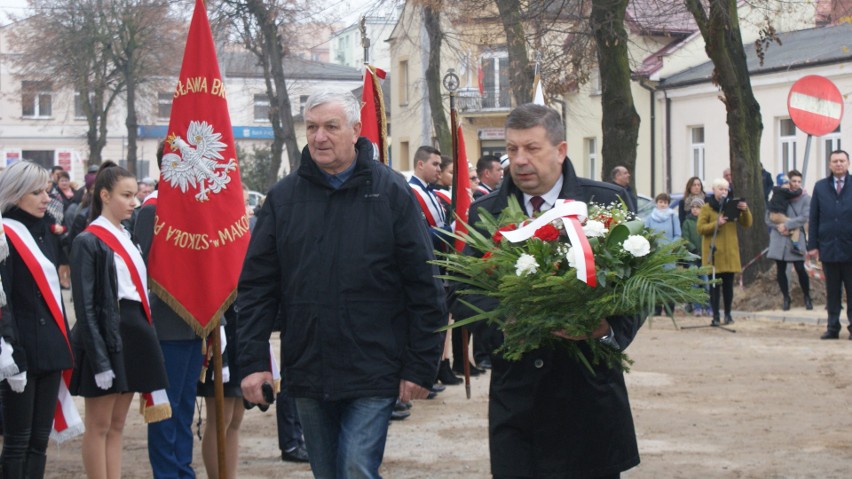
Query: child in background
[[693, 240]]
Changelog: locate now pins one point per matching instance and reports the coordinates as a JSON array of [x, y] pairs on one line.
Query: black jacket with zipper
[[346, 273]]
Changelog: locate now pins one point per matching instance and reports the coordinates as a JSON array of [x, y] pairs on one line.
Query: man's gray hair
[[351, 105], [531, 115], [19, 179]]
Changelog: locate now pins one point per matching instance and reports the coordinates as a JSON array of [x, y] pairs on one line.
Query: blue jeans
[[170, 441], [346, 439]]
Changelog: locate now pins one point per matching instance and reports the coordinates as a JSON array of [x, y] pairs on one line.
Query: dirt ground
[[768, 401]]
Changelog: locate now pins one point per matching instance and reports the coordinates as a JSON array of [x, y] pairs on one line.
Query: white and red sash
[[122, 246], [150, 199], [429, 203], [154, 406], [66, 420], [483, 189], [444, 196]]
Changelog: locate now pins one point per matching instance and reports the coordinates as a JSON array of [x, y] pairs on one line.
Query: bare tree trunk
[[432, 22], [131, 122], [520, 74], [271, 57], [619, 120], [724, 46]]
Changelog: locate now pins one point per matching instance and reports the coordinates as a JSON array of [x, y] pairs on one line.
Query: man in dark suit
[[490, 174], [830, 237], [548, 416]]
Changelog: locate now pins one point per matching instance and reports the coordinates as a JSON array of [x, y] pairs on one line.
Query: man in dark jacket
[[341, 248], [548, 416], [830, 237]]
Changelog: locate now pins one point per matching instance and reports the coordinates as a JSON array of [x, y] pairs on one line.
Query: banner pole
[[219, 400]]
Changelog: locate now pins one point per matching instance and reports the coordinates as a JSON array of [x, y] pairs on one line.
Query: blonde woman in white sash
[[33, 320], [115, 343]]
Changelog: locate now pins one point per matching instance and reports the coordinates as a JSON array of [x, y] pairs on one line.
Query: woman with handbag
[[783, 249]]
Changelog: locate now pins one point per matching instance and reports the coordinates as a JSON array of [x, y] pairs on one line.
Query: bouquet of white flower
[[557, 275]]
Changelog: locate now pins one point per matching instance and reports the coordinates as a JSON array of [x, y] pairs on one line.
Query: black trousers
[[838, 276], [727, 290], [289, 427], [781, 276], [28, 419]]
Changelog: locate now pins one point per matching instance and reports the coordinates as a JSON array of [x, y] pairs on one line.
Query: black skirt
[[138, 367]]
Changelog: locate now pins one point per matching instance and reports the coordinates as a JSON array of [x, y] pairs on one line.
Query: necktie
[[536, 202], [838, 185]]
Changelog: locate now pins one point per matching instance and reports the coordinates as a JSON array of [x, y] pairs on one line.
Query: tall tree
[[719, 26], [619, 120], [260, 25], [520, 74], [64, 44], [434, 75], [142, 37]]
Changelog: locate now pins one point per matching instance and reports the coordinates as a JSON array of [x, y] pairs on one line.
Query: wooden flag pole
[[219, 400]]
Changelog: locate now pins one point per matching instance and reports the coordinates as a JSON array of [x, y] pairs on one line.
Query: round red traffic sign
[[815, 105]]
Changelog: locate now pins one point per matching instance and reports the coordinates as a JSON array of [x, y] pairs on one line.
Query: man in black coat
[[341, 253], [830, 237], [548, 416]]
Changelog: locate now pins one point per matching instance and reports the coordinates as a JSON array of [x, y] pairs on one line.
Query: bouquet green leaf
[[541, 300]]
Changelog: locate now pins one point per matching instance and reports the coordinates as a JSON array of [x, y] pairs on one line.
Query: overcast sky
[[348, 10]]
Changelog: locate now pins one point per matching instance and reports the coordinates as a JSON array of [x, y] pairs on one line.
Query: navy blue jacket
[[347, 273], [830, 223]]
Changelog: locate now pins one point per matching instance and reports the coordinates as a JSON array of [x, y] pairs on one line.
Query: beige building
[[40, 120]]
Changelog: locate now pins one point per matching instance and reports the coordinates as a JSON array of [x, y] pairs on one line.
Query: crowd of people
[[341, 263]]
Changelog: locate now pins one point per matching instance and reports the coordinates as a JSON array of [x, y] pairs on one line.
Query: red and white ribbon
[[67, 423], [572, 213]]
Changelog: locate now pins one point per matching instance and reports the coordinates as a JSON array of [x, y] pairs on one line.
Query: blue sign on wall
[[240, 132]]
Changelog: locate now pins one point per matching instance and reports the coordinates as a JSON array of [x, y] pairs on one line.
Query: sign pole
[[805, 161]]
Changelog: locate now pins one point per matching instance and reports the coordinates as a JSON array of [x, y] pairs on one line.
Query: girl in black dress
[[115, 343]]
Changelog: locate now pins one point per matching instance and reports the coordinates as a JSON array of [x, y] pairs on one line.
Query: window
[[787, 145], [831, 142], [697, 148], [302, 100], [36, 99], [403, 83], [261, 108], [164, 106], [495, 81], [591, 147], [45, 158], [79, 113]]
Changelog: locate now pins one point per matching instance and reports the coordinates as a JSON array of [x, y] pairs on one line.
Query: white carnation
[[637, 245], [525, 265], [569, 255], [594, 229]]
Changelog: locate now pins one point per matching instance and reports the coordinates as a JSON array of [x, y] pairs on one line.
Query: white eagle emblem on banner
[[197, 166]]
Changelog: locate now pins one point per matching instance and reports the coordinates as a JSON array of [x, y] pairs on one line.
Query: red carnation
[[486, 255], [498, 235], [547, 232]]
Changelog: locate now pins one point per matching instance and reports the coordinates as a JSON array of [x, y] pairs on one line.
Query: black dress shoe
[[431, 395], [401, 406], [728, 319], [829, 335], [400, 415], [715, 321], [809, 305], [484, 364], [298, 454], [474, 371], [446, 376], [437, 388], [785, 305]]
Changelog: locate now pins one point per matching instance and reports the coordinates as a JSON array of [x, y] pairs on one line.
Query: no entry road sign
[[815, 105]]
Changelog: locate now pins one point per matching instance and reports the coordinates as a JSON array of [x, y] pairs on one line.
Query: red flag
[[461, 189], [374, 124], [480, 79], [201, 232]]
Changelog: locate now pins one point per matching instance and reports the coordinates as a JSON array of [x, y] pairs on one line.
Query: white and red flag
[[374, 124], [201, 232]]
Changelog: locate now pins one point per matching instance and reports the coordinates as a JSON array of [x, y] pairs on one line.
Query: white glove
[[18, 382], [104, 379], [7, 363]]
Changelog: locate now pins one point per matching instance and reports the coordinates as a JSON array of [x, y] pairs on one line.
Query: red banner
[[201, 232], [461, 189], [373, 121]]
